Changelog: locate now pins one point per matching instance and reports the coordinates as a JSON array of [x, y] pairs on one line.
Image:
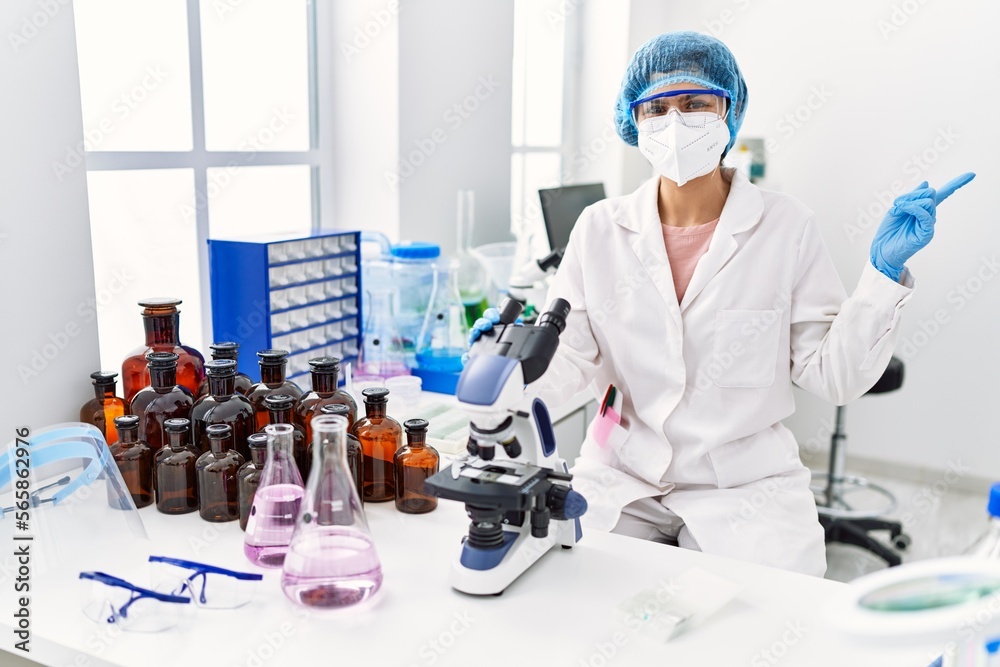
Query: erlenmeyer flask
[[381, 344], [276, 503], [444, 338], [472, 278], [331, 562]]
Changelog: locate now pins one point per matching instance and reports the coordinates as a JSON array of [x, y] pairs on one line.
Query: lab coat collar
[[741, 213]]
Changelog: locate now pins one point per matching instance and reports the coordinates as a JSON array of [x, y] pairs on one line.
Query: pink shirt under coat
[[685, 246]]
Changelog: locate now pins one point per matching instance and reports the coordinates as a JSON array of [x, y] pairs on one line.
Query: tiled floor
[[940, 520]]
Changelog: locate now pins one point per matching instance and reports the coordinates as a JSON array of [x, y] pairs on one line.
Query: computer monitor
[[562, 206]]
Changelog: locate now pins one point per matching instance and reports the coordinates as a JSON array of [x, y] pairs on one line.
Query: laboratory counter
[[560, 612]]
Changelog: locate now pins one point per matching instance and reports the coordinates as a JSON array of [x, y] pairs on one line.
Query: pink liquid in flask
[[271, 523]]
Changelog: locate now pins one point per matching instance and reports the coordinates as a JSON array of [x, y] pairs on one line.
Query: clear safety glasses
[[695, 107], [177, 586]]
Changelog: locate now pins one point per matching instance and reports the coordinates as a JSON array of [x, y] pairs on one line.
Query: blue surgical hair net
[[676, 57]]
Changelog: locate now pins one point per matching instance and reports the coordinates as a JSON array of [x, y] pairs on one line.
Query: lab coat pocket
[[609, 450], [746, 348]]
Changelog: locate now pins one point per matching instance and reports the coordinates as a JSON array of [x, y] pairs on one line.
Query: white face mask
[[683, 148]]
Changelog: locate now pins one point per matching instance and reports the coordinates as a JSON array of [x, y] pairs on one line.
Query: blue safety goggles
[[177, 585]]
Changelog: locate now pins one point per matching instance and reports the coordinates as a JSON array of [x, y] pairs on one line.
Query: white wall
[[422, 97], [49, 327], [885, 85], [455, 70]]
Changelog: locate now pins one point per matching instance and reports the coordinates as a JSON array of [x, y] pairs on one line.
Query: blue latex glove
[[491, 316], [909, 225]]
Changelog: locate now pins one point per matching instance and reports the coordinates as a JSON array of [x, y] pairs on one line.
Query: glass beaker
[[444, 338], [276, 502], [381, 345], [331, 562], [472, 278]]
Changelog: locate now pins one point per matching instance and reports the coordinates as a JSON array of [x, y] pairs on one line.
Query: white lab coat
[[708, 381]]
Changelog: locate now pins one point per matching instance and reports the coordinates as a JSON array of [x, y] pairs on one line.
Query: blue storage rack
[[290, 292]]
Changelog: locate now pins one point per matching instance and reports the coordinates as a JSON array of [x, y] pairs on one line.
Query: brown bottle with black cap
[[414, 463], [134, 460], [325, 374], [272, 381], [279, 411], [104, 407], [218, 486], [228, 350], [380, 437], [222, 406], [161, 319], [163, 399], [175, 478]]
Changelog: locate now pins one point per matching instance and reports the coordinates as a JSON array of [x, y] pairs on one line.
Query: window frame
[[319, 157]]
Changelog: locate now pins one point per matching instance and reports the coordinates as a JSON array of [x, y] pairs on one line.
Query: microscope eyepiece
[[555, 316]]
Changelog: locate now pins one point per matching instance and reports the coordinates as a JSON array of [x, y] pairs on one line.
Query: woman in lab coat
[[702, 298]]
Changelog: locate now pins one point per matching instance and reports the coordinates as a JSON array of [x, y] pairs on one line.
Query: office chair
[[842, 522]]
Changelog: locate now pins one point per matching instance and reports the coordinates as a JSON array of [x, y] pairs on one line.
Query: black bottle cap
[[227, 350], [219, 431], [220, 367], [162, 359], [415, 425], [176, 425], [375, 395], [278, 402], [257, 441], [104, 378], [325, 365], [273, 356], [336, 409], [126, 422]]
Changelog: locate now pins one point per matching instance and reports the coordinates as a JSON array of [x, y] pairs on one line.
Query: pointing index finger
[[949, 188]]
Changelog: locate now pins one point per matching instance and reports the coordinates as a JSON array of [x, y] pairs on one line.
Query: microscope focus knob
[[566, 503]]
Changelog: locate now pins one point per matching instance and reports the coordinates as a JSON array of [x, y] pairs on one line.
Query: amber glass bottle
[[380, 437], [218, 488], [163, 399], [134, 460], [355, 455], [325, 372], [175, 478], [279, 409], [414, 463], [160, 317], [104, 407], [248, 476], [222, 406], [242, 383], [272, 381]]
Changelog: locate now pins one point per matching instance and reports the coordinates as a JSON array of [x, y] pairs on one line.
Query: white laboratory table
[[561, 612]]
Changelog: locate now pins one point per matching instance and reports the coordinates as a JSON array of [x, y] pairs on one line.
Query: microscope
[[516, 489]]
